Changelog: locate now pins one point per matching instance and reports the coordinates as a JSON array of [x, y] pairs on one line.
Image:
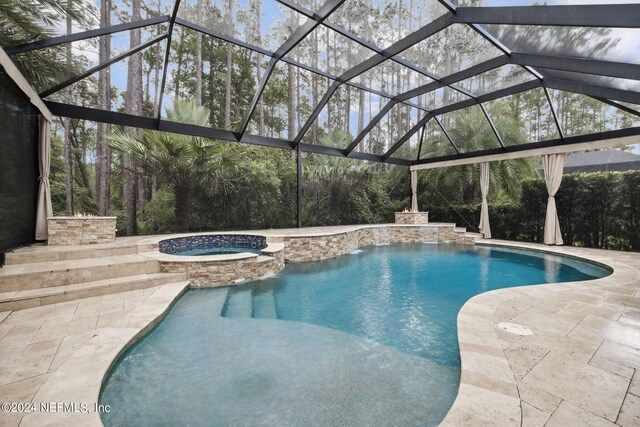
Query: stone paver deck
[[579, 367]]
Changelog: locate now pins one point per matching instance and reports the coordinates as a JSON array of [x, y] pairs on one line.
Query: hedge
[[597, 210]]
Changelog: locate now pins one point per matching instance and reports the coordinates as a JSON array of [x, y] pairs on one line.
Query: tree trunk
[[291, 113], [180, 49], [199, 13], [360, 111], [347, 116], [156, 77], [181, 210], [227, 99], [314, 87], [133, 105], [82, 167], [103, 152], [227, 96], [154, 186], [68, 151]]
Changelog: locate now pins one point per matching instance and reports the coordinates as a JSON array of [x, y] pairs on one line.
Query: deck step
[[239, 304], [42, 253], [459, 229], [18, 300], [264, 305], [62, 273]]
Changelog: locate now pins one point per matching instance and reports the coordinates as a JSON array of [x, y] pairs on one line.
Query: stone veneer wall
[[225, 272], [314, 248], [66, 231], [412, 217]]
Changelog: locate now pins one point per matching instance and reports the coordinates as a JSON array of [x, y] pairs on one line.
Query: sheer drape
[[553, 165], [484, 226], [44, 208], [414, 191]]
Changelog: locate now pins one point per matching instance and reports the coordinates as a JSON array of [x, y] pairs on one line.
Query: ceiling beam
[[420, 125], [167, 53], [294, 39], [430, 87], [129, 120], [578, 65], [585, 15], [74, 37], [401, 45], [101, 66], [592, 141], [291, 61], [592, 90]]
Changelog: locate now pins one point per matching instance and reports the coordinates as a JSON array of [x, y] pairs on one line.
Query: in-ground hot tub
[[211, 260], [213, 244]]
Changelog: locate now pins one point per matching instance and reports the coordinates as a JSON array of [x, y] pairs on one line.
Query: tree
[[185, 162], [68, 153], [103, 152], [133, 105]]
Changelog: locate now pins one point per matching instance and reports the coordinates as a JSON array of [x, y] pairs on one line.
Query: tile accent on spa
[[170, 246]]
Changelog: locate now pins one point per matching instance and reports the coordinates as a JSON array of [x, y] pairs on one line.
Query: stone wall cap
[[82, 217]]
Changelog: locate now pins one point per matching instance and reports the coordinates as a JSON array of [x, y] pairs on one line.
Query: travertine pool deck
[[579, 367]]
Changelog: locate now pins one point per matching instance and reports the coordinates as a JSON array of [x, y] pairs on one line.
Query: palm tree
[[185, 162], [25, 21], [471, 132], [330, 179]]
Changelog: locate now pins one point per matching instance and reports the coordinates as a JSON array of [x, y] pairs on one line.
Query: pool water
[[214, 250], [367, 338]]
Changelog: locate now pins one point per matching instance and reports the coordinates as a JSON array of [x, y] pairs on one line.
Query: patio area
[[579, 365]]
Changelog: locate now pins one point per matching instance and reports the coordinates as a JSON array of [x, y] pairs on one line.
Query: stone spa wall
[[314, 248], [224, 270]]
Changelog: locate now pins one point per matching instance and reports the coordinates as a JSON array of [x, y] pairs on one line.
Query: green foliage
[[25, 21], [184, 162], [598, 210], [158, 215]]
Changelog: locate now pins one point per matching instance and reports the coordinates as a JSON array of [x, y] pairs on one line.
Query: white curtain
[[44, 208], [553, 165], [484, 226], [414, 191]]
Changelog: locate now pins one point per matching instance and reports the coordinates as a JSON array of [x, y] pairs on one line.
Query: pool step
[[218, 297], [18, 300], [264, 305], [239, 304]]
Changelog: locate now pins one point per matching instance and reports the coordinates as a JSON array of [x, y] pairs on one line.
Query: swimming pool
[[362, 339]]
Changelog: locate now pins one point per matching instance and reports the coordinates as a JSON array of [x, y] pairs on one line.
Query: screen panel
[[453, 49], [469, 129], [523, 117], [579, 114], [383, 23]]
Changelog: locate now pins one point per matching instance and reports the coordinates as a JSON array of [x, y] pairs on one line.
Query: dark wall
[[18, 166]]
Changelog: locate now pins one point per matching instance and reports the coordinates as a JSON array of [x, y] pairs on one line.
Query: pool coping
[[488, 389]]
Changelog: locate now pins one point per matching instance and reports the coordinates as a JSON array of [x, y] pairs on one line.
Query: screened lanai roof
[[399, 81]]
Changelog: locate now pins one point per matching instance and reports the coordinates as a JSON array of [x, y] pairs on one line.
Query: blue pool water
[[214, 250], [367, 338]]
